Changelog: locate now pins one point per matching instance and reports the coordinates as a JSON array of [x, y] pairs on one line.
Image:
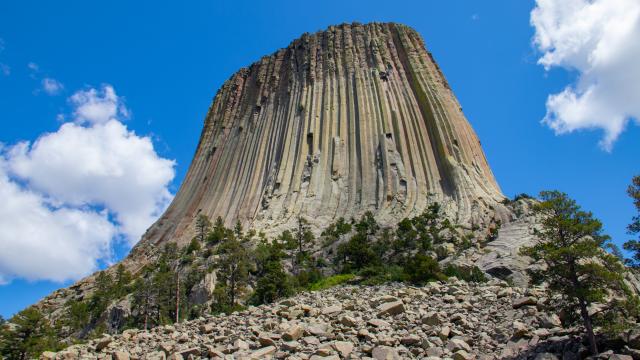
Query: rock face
[[346, 120], [352, 119]]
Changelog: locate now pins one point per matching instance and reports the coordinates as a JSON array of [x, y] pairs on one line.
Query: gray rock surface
[[479, 323]]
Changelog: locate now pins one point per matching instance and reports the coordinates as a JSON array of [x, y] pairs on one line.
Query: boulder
[[524, 301], [294, 332], [385, 353], [390, 308]]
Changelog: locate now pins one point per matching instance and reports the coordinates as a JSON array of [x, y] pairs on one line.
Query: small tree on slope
[[578, 270], [634, 227]]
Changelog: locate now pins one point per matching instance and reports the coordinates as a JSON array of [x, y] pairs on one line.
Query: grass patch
[[331, 281]]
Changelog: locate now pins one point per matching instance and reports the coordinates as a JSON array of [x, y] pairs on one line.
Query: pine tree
[[233, 268], [145, 302], [634, 228], [203, 224], [303, 238], [29, 335], [122, 281], [577, 269], [273, 282], [217, 233]]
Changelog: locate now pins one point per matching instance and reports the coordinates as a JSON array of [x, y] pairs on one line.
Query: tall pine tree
[[577, 270]]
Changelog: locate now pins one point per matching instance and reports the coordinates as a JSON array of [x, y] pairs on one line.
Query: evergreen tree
[[165, 280], [102, 296], [578, 270], [122, 281], [203, 224], [634, 228], [273, 281], [420, 269], [145, 303], [361, 250], [233, 269], [28, 335], [217, 233], [303, 239]]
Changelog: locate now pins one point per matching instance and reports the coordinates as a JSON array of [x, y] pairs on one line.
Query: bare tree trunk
[[177, 297], [593, 345]]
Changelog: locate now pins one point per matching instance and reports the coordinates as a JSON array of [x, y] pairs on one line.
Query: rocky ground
[[456, 320]]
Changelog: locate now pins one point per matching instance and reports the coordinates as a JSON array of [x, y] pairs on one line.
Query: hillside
[[454, 320]]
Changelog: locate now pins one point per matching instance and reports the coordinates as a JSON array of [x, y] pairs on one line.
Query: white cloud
[[33, 66], [599, 40], [98, 106], [73, 192], [51, 86], [38, 241]]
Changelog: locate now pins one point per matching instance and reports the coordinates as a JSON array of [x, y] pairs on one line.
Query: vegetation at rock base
[[249, 269], [28, 335], [574, 265]]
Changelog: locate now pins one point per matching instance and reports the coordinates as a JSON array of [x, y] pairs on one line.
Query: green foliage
[[78, 314], [520, 196], [233, 268], [194, 246], [273, 281], [217, 233], [203, 224], [145, 303], [333, 232], [367, 224], [274, 284], [578, 270], [122, 282], [361, 250], [27, 336], [633, 246], [377, 275], [420, 269], [470, 274], [421, 233], [356, 254], [331, 281]]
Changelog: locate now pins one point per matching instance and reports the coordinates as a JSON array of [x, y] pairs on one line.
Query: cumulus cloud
[[69, 195], [51, 86], [39, 241], [98, 106], [599, 40]]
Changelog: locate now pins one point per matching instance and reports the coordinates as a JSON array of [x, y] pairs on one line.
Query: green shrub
[[421, 269], [470, 274], [331, 281]]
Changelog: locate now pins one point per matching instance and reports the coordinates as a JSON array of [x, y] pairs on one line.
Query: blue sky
[[166, 62]]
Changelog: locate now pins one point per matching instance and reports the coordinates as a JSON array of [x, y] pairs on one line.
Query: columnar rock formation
[[346, 120]]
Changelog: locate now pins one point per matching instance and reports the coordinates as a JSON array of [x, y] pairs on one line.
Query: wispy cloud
[[4, 68], [51, 86], [599, 40]]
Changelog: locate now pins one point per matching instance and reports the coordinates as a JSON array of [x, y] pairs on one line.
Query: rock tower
[[351, 119]]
